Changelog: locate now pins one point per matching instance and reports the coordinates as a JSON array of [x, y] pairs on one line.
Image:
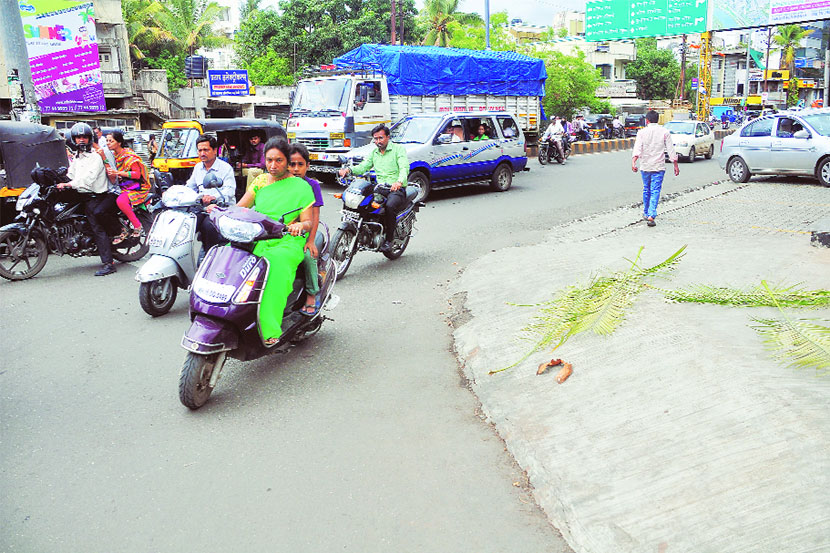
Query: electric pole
[[19, 73], [487, 23], [393, 41], [683, 69]]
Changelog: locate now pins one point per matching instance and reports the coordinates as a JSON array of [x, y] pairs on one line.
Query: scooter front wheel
[[158, 296], [195, 379]]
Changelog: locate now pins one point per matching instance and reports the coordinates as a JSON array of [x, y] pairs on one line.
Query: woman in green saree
[[275, 193]]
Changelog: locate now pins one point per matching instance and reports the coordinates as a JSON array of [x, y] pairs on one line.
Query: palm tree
[[145, 33], [190, 22], [440, 13], [788, 38]]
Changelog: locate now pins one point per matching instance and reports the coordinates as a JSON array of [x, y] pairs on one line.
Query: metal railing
[[167, 106]]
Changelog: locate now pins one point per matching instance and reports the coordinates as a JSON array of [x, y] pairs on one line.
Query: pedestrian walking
[[651, 146]]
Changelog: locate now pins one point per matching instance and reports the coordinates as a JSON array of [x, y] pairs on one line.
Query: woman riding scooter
[[273, 194]]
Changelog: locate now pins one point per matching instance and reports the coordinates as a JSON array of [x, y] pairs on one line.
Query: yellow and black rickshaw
[[177, 154], [23, 146]]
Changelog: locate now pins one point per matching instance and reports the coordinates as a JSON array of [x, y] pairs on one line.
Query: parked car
[[785, 143], [692, 139], [633, 123], [442, 152]]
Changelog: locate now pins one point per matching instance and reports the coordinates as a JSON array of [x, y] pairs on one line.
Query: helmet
[[81, 129]]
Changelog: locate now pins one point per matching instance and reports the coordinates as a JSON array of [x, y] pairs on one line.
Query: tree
[[656, 71], [190, 23], [473, 36], [440, 15], [248, 7], [147, 38], [788, 38], [571, 84], [270, 70]]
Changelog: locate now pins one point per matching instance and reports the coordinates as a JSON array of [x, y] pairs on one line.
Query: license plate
[[336, 135], [314, 156], [292, 135]]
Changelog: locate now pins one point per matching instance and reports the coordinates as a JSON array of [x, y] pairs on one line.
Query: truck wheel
[[420, 178], [342, 251], [158, 296], [194, 380], [21, 259], [502, 178]]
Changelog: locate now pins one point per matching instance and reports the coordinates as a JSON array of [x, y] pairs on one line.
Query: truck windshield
[[322, 95], [178, 143], [414, 129]]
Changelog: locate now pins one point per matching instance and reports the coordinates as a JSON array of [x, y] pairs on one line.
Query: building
[[227, 23], [572, 22]]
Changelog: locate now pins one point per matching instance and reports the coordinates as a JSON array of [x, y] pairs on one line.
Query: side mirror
[[801, 134], [443, 139]]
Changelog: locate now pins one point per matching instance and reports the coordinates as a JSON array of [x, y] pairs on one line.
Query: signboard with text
[[740, 14], [63, 54], [228, 82], [621, 19]]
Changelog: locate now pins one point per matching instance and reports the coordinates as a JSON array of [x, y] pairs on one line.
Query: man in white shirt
[[88, 175], [554, 133], [651, 146], [207, 147]]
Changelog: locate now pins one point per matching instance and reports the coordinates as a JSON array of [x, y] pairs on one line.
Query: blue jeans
[[652, 183]]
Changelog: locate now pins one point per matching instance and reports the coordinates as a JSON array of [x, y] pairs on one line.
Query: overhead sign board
[[740, 14], [621, 19], [228, 82]]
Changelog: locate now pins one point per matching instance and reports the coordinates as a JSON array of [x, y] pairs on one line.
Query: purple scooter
[[225, 298]]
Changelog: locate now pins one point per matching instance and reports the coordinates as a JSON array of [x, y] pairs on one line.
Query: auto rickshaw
[[177, 154], [23, 146]]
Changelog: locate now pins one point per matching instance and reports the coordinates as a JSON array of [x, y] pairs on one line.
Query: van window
[[509, 129], [762, 127], [473, 123]]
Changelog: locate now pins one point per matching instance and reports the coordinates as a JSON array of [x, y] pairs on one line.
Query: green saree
[[283, 254]]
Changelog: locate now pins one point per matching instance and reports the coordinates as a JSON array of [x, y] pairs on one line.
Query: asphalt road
[[364, 438]]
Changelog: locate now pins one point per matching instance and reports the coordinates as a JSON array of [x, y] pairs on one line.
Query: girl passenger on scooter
[[275, 193]]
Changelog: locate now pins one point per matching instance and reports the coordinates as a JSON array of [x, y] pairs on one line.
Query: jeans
[[394, 203], [652, 183], [99, 210]]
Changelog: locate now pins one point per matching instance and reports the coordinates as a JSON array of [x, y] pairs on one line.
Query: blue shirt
[[223, 170]]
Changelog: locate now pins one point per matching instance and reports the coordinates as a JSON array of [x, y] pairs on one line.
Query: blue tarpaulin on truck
[[431, 70]]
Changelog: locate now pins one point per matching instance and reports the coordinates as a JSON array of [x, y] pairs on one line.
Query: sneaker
[[386, 246], [107, 269], [650, 222]]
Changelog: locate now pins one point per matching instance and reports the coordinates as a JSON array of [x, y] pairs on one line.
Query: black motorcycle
[[361, 225], [52, 220], [548, 153]]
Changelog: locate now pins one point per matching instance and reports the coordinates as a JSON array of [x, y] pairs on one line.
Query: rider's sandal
[[136, 233], [120, 238], [271, 341], [310, 310]]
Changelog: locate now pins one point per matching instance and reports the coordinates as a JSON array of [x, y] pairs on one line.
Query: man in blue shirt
[[207, 148]]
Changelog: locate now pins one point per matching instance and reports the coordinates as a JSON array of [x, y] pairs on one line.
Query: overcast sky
[[534, 12]]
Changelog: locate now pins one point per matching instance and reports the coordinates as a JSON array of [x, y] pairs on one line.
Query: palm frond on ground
[[598, 306], [801, 343], [757, 296]]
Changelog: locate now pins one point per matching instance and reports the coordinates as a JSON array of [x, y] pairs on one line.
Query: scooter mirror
[[211, 181]]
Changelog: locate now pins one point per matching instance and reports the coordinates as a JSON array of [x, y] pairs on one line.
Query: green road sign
[[619, 19]]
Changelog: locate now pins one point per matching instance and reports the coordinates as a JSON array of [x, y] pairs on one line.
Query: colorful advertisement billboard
[[63, 54], [621, 19], [228, 82], [740, 14]]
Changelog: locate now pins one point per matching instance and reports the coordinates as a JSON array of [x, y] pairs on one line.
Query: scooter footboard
[[206, 336]]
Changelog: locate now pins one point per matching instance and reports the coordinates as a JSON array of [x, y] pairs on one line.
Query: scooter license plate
[[213, 292]]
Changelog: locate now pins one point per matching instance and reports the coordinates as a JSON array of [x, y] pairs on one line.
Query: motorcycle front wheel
[[21, 259], [133, 249], [343, 248], [543, 155], [158, 296], [194, 380]]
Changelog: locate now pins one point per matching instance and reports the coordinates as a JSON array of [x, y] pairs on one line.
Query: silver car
[[691, 139], [787, 143]]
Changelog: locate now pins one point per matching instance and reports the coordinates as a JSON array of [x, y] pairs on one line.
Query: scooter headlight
[[239, 231]]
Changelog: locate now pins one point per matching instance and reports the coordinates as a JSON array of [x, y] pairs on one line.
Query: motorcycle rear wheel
[[133, 249], [342, 251], [13, 252], [158, 296], [398, 247], [194, 380]]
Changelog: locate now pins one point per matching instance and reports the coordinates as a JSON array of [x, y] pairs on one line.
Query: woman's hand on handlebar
[[296, 229]]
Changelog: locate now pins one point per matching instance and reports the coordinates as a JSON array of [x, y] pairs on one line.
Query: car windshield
[[322, 96], [680, 127], [414, 129], [178, 143], [820, 122]]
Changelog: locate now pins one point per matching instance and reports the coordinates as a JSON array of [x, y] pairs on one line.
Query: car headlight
[[352, 199], [239, 231], [682, 144]]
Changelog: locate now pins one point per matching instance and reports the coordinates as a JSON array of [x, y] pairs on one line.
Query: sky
[[533, 12]]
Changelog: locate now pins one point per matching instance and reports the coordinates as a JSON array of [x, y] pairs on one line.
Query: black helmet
[[81, 129]]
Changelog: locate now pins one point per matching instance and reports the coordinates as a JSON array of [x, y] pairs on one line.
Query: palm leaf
[[801, 343], [757, 296]]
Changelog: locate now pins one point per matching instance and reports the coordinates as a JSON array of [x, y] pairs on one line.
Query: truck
[[336, 109]]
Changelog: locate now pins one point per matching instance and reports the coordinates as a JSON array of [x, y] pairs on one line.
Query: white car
[[691, 139]]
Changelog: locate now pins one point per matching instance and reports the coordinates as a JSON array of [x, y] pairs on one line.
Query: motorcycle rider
[[209, 164], [392, 167], [617, 127], [553, 135], [88, 176]]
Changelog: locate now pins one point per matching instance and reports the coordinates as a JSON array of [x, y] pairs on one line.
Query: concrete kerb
[[633, 456], [610, 145]]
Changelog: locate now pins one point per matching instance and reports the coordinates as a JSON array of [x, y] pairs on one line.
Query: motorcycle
[[225, 298], [361, 226], [548, 153], [51, 220], [175, 250]]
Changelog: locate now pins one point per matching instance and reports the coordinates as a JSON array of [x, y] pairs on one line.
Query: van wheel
[[420, 178], [737, 170], [502, 178]]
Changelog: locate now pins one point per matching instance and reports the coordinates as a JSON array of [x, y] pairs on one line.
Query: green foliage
[[174, 64], [571, 84], [656, 71], [757, 296], [598, 306], [562, 33], [270, 70], [439, 17], [473, 35]]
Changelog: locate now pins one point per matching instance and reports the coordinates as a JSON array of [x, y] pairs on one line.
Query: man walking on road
[[651, 146]]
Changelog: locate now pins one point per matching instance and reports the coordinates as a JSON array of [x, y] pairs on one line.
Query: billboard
[[621, 19], [740, 14], [228, 82], [63, 53]]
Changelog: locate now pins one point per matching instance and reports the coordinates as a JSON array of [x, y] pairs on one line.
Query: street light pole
[[17, 64], [487, 23]]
